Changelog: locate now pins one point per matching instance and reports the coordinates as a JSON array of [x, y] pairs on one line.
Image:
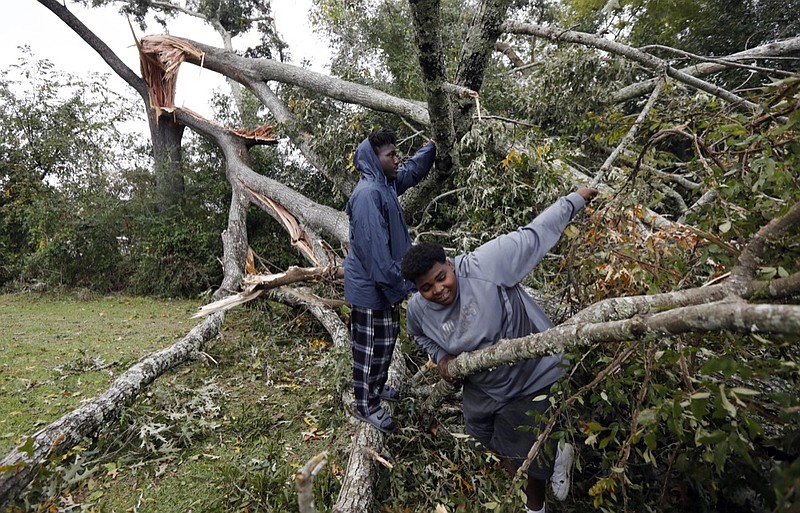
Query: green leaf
[[648, 417], [721, 451], [27, 447], [698, 406], [593, 426], [571, 232], [712, 438], [650, 440], [729, 408]]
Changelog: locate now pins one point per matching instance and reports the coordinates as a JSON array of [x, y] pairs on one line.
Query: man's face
[[387, 155], [439, 284]]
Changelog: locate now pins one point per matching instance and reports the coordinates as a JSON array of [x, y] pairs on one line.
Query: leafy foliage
[[60, 184]]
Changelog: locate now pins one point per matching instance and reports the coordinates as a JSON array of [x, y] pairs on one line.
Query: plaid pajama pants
[[374, 333]]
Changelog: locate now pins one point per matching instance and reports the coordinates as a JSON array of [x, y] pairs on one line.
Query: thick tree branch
[[649, 61], [734, 317], [515, 59], [356, 494], [484, 31], [108, 55], [750, 257], [321, 310], [249, 70], [310, 214], [486, 28], [343, 182], [723, 61], [775, 49], [426, 16]]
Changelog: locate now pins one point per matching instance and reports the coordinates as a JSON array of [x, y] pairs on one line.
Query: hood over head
[[366, 161]]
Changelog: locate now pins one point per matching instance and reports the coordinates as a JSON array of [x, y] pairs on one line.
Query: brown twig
[[608, 370], [626, 451]]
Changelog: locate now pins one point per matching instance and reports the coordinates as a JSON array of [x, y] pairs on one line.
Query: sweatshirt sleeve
[[507, 259], [415, 332], [414, 170], [371, 247]]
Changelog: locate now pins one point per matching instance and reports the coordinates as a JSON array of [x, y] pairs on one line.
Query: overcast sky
[[26, 22]]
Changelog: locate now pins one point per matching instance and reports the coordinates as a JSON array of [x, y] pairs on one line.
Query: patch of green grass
[[56, 352]]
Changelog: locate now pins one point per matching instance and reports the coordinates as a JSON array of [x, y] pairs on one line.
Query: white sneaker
[[560, 480]]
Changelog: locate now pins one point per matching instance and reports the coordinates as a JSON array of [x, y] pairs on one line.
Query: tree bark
[[356, 494], [167, 135], [246, 70], [734, 317]]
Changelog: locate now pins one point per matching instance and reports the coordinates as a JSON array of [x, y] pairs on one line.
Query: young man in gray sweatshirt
[[475, 300]]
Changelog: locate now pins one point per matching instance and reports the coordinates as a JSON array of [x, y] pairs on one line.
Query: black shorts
[[497, 426]]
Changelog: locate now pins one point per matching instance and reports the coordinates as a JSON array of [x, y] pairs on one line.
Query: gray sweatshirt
[[490, 305]]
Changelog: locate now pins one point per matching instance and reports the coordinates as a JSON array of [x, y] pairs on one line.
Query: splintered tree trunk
[[22, 464]]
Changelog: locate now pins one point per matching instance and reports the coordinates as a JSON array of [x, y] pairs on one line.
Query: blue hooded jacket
[[378, 232]]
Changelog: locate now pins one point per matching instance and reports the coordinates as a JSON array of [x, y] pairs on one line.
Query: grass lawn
[[59, 351], [223, 433]]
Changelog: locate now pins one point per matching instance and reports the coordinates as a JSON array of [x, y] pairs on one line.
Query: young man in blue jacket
[[475, 300], [373, 284]]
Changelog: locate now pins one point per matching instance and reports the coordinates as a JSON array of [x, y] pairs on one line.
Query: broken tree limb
[[630, 136], [257, 284], [300, 239], [725, 62], [731, 316], [339, 332], [304, 482], [356, 494], [775, 49], [741, 284], [22, 464], [264, 70], [160, 58]]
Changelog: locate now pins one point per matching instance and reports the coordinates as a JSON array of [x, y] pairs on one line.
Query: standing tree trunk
[[167, 134]]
